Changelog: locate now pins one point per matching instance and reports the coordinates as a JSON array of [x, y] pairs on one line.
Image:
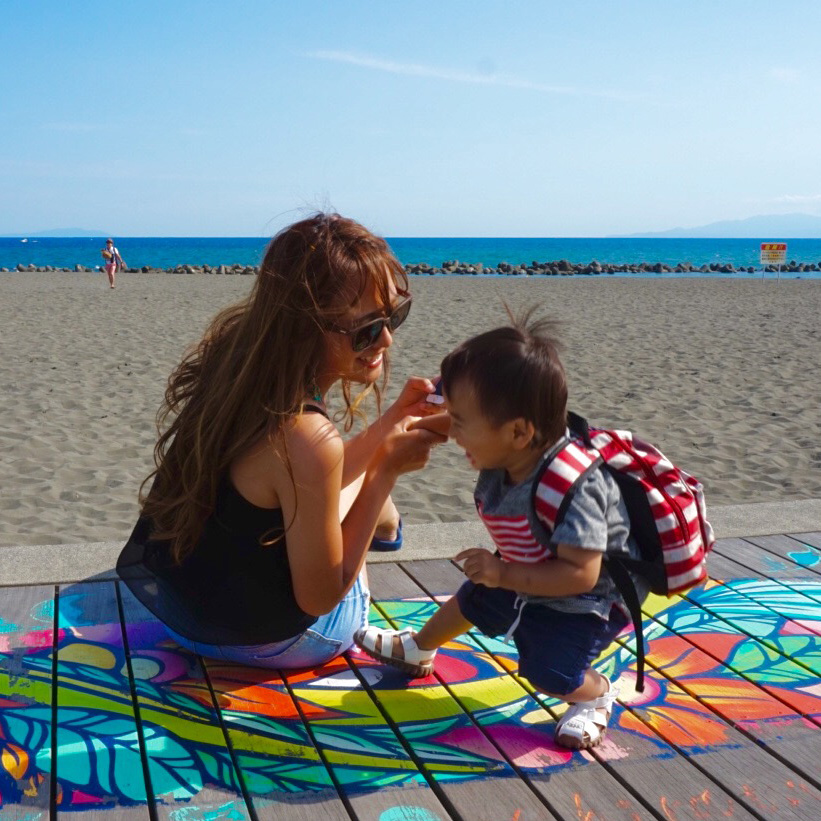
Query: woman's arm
[[359, 449], [325, 555]]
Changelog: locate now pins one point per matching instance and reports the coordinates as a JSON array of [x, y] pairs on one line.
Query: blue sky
[[419, 119]]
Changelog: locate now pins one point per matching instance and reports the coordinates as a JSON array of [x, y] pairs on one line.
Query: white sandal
[[584, 723], [379, 645]]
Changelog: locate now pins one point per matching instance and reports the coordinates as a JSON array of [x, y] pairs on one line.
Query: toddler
[[506, 394]]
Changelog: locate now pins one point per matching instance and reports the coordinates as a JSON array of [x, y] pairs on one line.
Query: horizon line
[[267, 237]]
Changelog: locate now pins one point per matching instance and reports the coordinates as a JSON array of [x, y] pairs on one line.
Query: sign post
[[773, 253]]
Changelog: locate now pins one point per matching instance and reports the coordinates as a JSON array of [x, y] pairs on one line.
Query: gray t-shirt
[[596, 519]]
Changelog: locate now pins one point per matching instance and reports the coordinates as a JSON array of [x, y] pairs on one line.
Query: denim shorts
[[329, 636], [555, 648]]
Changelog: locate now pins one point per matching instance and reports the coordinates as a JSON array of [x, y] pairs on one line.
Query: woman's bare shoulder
[[313, 448], [313, 439]]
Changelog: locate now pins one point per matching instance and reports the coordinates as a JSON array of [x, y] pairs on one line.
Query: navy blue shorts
[[555, 648]]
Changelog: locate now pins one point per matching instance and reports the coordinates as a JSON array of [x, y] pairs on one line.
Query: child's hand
[[437, 423], [481, 566]]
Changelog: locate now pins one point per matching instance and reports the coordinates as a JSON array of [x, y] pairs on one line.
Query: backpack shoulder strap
[[579, 427], [560, 475], [553, 488], [617, 569]]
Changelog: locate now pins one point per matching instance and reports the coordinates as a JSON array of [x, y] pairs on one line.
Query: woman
[[113, 261], [253, 537]]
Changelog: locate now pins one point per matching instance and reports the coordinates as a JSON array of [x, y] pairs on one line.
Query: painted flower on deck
[[354, 713]]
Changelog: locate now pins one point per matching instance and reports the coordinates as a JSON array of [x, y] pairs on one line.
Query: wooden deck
[[103, 717]]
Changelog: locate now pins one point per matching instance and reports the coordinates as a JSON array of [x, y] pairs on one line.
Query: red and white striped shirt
[[513, 538]]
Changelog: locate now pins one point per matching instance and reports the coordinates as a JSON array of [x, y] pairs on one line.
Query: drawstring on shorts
[[518, 605]]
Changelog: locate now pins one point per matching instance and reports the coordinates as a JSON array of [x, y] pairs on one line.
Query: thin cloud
[[455, 76], [78, 128], [785, 75], [87, 128], [799, 199]]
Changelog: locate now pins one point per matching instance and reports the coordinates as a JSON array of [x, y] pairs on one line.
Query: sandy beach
[[720, 374]]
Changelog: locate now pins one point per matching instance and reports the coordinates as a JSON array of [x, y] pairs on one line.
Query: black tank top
[[230, 589]]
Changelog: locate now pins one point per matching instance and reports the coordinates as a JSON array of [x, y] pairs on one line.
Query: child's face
[[486, 445]]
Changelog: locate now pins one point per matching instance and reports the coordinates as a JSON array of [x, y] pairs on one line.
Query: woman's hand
[[361, 450], [412, 400], [407, 446]]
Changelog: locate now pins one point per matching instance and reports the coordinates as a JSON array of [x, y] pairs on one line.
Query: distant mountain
[[766, 226], [61, 232]]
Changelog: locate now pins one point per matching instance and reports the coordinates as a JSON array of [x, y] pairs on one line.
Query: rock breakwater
[[561, 267]]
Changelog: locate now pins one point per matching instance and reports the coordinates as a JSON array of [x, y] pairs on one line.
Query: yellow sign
[[773, 253]]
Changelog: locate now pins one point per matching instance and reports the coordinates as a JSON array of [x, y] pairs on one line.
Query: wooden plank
[[370, 764], [483, 784], [813, 539], [767, 663], [760, 782], [189, 763], [793, 549], [471, 776], [744, 565], [810, 589], [782, 618], [723, 569], [801, 554], [746, 789], [343, 723], [766, 596], [517, 724], [99, 764], [768, 614], [762, 561], [26, 642], [773, 726], [647, 765], [799, 595], [284, 774], [752, 561]]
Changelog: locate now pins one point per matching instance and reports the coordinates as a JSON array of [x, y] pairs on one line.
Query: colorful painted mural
[[101, 740]]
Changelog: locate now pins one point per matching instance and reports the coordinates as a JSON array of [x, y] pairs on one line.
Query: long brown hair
[[256, 365]]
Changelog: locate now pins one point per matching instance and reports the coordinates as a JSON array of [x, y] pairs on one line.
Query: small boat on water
[[24, 240]]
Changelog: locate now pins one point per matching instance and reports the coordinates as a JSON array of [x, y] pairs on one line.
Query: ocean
[[168, 252]]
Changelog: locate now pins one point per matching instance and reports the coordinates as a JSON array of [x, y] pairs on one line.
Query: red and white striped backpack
[[665, 505]]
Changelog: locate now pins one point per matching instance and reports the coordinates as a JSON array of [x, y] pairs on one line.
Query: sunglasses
[[365, 335]]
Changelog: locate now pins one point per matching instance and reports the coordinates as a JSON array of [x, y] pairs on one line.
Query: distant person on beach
[[506, 393], [113, 261], [253, 534]]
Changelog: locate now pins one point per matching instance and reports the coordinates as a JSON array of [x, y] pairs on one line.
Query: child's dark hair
[[515, 371]]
